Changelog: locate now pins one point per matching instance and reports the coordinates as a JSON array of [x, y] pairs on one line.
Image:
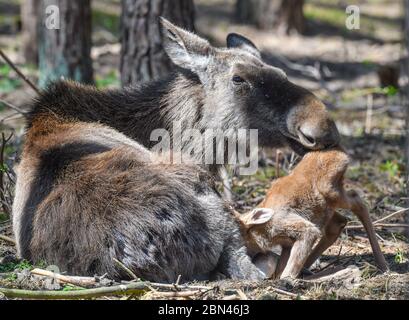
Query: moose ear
[[184, 48], [257, 216], [235, 40]]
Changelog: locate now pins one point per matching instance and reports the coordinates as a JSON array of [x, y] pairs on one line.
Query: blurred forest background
[[361, 75]]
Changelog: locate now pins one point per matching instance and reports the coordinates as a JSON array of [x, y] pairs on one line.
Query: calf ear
[[257, 216], [235, 40], [184, 48]]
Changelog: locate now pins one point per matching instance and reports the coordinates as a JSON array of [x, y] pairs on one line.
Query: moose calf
[[300, 209]]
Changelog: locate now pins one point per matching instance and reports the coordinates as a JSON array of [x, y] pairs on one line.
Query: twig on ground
[[378, 224], [123, 289], [382, 225], [177, 294], [178, 280], [8, 239], [126, 269], [391, 215], [286, 293], [78, 281], [350, 274], [17, 70], [242, 295], [172, 286], [131, 288]]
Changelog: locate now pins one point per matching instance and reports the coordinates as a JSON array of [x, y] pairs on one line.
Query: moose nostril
[[306, 137], [309, 138]]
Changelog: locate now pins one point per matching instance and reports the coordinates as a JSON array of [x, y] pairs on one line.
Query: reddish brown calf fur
[[303, 208]]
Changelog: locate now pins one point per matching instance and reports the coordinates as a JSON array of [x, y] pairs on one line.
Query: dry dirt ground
[[340, 66]]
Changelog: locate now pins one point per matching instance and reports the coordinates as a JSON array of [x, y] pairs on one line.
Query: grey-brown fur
[[92, 199]]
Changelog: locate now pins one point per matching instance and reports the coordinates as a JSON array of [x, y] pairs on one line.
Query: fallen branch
[[377, 222], [381, 225], [17, 70], [286, 293], [177, 294], [8, 239], [127, 270], [349, 277], [391, 215], [231, 297], [78, 281], [131, 288], [85, 281]]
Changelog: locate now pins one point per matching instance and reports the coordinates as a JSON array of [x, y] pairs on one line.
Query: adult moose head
[[242, 91], [213, 88]]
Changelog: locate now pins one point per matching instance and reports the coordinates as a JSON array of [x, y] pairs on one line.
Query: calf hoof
[[289, 282], [305, 273]]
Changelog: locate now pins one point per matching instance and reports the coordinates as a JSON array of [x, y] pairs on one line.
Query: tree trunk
[[406, 105], [65, 41], [285, 15], [142, 54], [29, 40]]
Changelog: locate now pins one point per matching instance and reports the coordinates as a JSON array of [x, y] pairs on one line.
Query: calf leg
[[332, 232], [285, 255], [305, 234], [358, 207]]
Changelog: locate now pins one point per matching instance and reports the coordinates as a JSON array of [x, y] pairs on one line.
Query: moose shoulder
[[216, 88], [87, 195]]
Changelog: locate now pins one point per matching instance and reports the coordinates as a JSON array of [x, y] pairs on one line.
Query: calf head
[[255, 226], [242, 91]]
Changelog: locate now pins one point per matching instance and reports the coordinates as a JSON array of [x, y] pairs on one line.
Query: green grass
[[3, 217], [350, 95], [11, 266], [329, 15], [105, 20], [399, 257], [392, 168], [7, 83], [110, 80]]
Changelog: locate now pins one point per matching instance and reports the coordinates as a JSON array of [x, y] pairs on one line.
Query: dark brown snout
[[316, 137], [311, 125]]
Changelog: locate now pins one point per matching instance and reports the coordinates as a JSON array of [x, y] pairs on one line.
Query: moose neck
[[158, 105], [134, 111]]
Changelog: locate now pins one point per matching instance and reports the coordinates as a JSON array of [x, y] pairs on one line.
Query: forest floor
[[340, 67]]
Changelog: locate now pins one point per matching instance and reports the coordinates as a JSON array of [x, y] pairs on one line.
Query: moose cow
[[88, 190]]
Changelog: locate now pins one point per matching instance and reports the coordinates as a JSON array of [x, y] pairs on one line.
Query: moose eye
[[237, 79]]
